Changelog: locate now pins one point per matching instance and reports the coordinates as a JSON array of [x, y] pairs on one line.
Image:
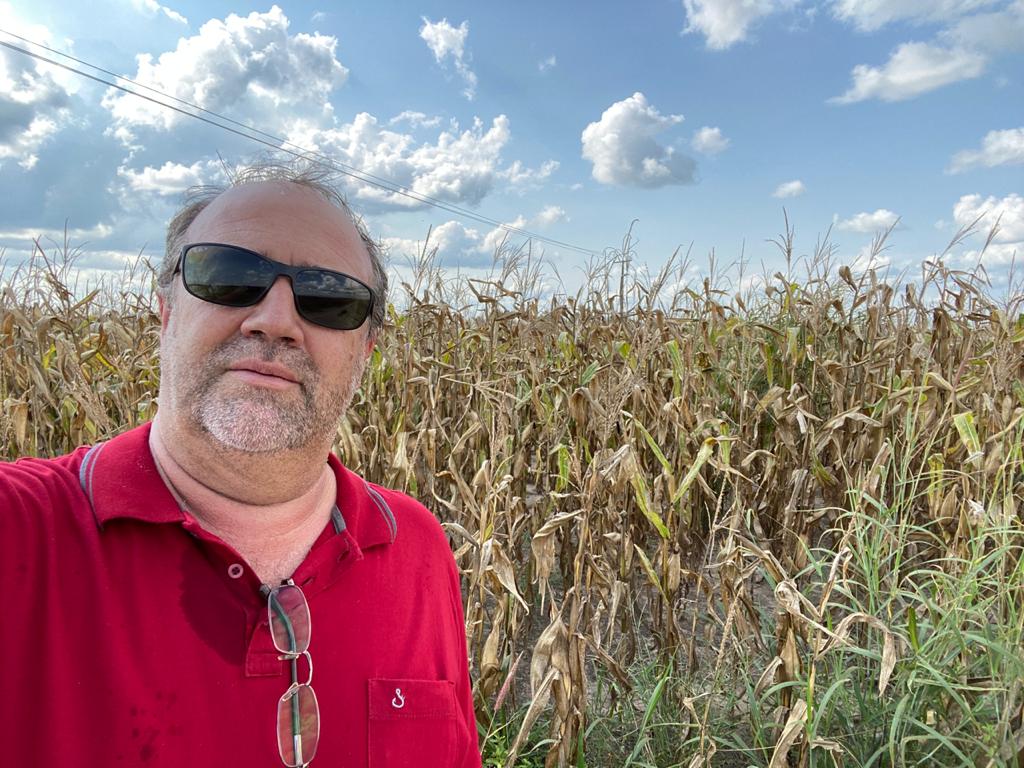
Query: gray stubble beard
[[252, 420]]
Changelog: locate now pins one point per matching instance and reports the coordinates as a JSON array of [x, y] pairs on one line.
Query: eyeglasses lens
[[226, 275], [298, 726], [331, 299], [289, 619]]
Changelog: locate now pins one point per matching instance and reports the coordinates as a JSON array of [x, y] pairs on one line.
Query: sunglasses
[[237, 277]]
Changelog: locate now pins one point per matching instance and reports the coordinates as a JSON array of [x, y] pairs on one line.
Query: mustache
[[296, 360]]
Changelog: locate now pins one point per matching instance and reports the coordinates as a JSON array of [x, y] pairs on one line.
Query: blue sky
[[700, 119]]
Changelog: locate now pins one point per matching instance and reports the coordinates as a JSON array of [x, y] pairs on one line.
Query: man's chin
[[257, 428]]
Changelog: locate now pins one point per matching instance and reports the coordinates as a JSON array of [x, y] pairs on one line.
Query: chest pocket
[[412, 723]]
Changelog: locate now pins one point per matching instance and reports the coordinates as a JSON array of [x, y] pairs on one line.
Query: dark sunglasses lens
[[225, 275], [332, 299]]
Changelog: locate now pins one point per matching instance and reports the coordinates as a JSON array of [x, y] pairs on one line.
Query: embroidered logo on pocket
[[412, 723]]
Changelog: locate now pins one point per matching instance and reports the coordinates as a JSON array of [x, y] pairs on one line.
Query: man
[[167, 593]]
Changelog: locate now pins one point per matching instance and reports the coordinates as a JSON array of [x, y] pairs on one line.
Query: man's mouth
[[263, 374]]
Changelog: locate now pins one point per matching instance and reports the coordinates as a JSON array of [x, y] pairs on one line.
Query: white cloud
[[751, 282], [446, 41], [521, 177], [152, 8], [726, 22], [460, 167], [34, 103], [913, 69], [868, 258], [248, 66], [25, 142], [1009, 238], [550, 214], [997, 148], [624, 150], [790, 189], [868, 222], [871, 15], [170, 178], [709, 141], [77, 235], [68, 81], [454, 237], [545, 64], [415, 119], [1001, 30], [464, 246], [494, 239], [1009, 210], [455, 243]]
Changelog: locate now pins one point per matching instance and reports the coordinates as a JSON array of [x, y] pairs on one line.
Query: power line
[[274, 142], [283, 145]]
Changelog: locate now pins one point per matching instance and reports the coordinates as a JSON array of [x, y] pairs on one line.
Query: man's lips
[[263, 373]]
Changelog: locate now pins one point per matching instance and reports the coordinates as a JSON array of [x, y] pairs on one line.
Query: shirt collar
[[121, 481], [364, 509]]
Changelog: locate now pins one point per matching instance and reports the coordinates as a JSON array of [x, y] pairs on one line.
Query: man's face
[[263, 379]]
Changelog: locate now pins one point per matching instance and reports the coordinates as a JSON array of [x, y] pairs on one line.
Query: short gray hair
[[306, 174]]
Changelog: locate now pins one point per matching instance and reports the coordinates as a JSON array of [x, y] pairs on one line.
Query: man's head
[[311, 176], [263, 378]]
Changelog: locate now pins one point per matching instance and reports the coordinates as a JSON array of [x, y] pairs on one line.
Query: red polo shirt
[[131, 636]]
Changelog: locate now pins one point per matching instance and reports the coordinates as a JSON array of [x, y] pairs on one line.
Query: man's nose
[[275, 316]]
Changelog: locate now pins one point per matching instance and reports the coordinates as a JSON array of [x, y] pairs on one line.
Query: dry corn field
[[781, 528]]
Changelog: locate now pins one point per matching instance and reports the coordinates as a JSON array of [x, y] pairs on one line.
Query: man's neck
[[272, 521]]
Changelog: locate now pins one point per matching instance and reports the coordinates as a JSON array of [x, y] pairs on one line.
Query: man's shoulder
[[420, 542], [388, 514], [69, 482], [406, 508], [33, 469], [41, 485], [412, 518]]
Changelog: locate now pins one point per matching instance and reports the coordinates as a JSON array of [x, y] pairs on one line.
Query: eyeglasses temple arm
[[296, 717], [278, 609]]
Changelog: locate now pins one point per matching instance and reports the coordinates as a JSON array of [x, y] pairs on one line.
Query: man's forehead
[[282, 219], [247, 199]]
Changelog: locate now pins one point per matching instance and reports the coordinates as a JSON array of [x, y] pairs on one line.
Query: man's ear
[[371, 342], [165, 311]]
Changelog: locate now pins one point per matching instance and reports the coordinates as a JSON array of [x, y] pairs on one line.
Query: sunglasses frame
[[287, 270]]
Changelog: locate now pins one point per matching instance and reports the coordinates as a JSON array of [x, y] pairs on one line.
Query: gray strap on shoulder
[[337, 519], [85, 472], [384, 509]]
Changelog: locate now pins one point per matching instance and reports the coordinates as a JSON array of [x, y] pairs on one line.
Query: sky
[[698, 126]]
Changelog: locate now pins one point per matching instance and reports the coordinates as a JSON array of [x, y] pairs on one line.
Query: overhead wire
[[276, 143]]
